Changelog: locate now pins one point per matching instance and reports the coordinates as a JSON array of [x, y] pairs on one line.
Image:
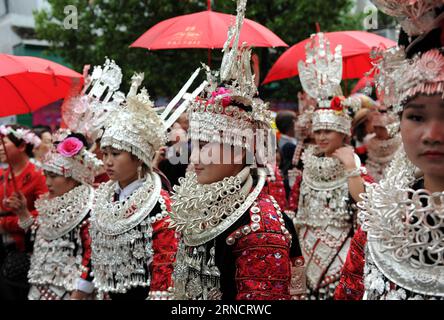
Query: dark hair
[[41, 129], [81, 137], [235, 103], [18, 142], [359, 131], [285, 121]]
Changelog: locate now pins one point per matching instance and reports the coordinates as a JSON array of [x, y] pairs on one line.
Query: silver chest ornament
[[54, 260], [122, 236]]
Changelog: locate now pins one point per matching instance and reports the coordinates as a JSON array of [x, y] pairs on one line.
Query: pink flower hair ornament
[[70, 147], [221, 91]]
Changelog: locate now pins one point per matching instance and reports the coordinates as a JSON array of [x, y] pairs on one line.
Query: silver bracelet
[[353, 173], [26, 223]]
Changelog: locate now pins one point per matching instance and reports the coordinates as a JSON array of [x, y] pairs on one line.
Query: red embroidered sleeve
[[10, 223], [263, 259], [31, 183], [40, 185], [351, 283], [276, 189], [86, 244], [293, 199], [164, 244], [32, 191]]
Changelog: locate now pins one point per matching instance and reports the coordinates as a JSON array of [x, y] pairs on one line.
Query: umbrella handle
[[14, 182]]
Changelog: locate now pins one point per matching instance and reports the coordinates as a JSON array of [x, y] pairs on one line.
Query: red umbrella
[[29, 83], [206, 29], [356, 46]]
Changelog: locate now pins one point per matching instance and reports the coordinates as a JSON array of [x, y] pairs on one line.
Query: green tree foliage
[[108, 27]]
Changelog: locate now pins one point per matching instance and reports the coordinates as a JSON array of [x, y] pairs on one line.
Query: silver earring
[[139, 172]]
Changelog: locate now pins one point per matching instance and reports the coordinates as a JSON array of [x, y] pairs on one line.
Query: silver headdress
[[321, 75], [69, 158], [232, 112], [326, 119], [80, 112], [135, 126], [399, 79], [87, 111], [416, 16], [321, 72]]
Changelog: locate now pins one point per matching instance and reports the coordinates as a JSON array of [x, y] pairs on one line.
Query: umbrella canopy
[[29, 83], [206, 29], [356, 47]]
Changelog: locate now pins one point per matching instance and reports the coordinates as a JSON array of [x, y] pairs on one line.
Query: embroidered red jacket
[[31, 182], [165, 242], [351, 283], [262, 257]]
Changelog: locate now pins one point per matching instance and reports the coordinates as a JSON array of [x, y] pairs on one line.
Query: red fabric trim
[[86, 244], [293, 200], [276, 189], [165, 243], [351, 283], [361, 149], [367, 178]]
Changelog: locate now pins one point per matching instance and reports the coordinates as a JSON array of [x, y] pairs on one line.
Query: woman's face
[[46, 138], [369, 128], [422, 131], [120, 165], [14, 152], [381, 133], [328, 141], [44, 146], [214, 161], [59, 185]]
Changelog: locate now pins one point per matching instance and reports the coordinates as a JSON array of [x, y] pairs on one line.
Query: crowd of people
[[198, 201]]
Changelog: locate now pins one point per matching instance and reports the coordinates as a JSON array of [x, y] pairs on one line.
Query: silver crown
[[321, 75], [321, 72], [134, 126], [82, 167], [416, 17], [87, 112], [325, 119], [214, 116], [399, 79]]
